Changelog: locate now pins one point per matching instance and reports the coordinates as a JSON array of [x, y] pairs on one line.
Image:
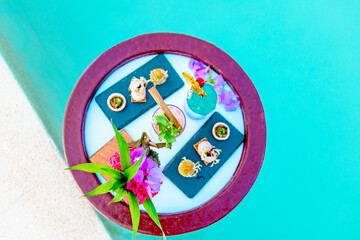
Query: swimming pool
[[302, 57]]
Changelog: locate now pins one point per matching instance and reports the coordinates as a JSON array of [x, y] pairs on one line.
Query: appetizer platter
[[191, 122]]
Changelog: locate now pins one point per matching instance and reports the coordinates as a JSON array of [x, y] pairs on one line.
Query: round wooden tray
[[255, 130]]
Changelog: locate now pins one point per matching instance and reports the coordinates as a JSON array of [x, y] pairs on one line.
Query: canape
[[116, 102], [188, 168], [207, 152], [221, 131], [138, 89], [158, 76]]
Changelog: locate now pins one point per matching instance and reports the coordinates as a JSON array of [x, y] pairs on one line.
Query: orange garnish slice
[[193, 84]]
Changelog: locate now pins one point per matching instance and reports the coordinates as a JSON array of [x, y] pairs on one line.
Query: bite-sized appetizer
[[207, 152], [116, 102], [221, 131], [188, 168], [138, 89], [158, 76]]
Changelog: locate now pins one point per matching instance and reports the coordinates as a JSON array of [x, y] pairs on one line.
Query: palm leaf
[[103, 169], [123, 149], [131, 171], [120, 194], [103, 188], [135, 212], [150, 208]]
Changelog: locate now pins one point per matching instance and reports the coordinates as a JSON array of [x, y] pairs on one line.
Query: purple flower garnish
[[200, 69], [199, 65], [191, 64], [232, 105], [219, 81], [229, 99], [199, 75]]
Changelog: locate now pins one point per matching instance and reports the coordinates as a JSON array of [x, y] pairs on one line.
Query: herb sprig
[[167, 129]]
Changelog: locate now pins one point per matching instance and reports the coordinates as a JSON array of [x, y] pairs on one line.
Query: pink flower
[[191, 64], [114, 161], [200, 69], [147, 181]]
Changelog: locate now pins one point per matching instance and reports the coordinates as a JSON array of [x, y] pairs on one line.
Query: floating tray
[[192, 185], [253, 153], [135, 109]]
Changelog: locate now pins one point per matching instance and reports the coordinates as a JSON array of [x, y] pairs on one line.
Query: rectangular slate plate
[[192, 185], [132, 109]]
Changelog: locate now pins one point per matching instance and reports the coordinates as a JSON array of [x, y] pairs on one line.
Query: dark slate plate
[[133, 110], [191, 186]]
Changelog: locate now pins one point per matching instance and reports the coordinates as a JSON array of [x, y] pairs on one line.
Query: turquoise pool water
[[303, 57]]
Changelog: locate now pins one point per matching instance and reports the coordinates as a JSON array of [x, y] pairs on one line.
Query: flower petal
[[219, 81], [139, 176], [231, 106], [191, 64], [199, 65], [200, 75]]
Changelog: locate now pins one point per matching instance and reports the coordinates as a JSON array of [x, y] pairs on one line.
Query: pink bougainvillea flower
[[232, 105], [147, 181], [191, 64], [200, 69], [200, 75], [204, 70], [229, 99], [226, 96], [198, 65], [219, 81]]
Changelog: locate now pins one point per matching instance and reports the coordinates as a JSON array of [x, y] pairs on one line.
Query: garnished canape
[[116, 102], [188, 168], [221, 131], [207, 152], [138, 89], [158, 76]]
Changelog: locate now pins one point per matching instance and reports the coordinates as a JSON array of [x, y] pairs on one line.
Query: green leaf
[[131, 171], [103, 169], [162, 128], [176, 131], [89, 167], [170, 138], [123, 149], [103, 188], [135, 212], [161, 119], [161, 136], [150, 208], [118, 185], [120, 195], [170, 123]]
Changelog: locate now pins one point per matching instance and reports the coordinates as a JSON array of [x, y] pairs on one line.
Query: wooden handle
[[160, 101]]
